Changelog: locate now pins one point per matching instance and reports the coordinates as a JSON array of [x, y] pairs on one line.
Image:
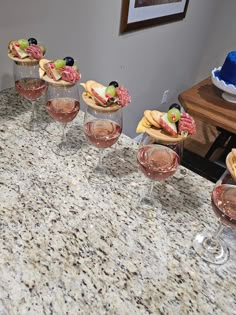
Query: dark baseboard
[[205, 168]]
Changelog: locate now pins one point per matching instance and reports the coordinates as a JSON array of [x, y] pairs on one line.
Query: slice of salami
[[34, 51], [186, 127], [123, 96], [69, 74], [186, 124]]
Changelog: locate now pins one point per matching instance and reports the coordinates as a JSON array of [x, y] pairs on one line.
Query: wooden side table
[[204, 102]]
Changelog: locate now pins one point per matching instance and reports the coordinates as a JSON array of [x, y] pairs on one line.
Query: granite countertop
[[71, 247]]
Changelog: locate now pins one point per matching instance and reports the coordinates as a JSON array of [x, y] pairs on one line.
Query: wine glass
[[223, 200], [102, 129], [31, 87], [157, 162], [63, 105]]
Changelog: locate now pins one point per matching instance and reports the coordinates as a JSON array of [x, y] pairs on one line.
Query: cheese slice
[[143, 125], [20, 53], [233, 165], [233, 161], [41, 73]]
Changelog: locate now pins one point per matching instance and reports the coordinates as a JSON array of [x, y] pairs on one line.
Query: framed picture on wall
[[137, 14]]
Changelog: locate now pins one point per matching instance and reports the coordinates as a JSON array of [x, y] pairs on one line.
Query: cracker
[[156, 115], [234, 153], [148, 116]]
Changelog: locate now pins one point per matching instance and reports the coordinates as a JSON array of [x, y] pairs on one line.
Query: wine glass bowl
[[102, 133], [31, 87], [63, 110], [212, 248], [223, 201], [157, 162], [63, 105], [102, 129]]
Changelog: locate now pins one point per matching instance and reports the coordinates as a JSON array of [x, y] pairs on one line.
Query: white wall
[[147, 62], [221, 40]]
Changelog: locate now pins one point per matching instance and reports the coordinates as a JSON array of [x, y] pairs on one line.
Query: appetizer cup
[[31, 87], [212, 248], [63, 104], [157, 162]]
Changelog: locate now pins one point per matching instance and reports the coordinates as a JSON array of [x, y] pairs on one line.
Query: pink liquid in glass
[[156, 162], [63, 109], [31, 88], [102, 133], [224, 204]]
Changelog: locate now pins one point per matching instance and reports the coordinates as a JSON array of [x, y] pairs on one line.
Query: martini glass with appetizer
[[169, 128], [210, 247], [103, 117], [157, 162], [26, 55], [62, 97]]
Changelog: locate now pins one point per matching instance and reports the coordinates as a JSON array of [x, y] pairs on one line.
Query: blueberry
[[69, 61], [175, 106], [32, 41], [114, 83]]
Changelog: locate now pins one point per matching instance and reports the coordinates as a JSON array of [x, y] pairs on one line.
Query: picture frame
[[139, 14]]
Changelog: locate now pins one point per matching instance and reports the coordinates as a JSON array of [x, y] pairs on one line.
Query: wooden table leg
[[219, 142]]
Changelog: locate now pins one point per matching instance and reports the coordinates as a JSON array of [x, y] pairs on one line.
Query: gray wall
[[222, 38], [147, 62]]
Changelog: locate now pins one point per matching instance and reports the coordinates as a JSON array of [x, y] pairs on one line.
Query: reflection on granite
[[72, 247]]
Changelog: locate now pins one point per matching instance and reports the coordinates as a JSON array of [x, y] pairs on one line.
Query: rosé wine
[[224, 204], [63, 109], [102, 133], [157, 162], [31, 88]]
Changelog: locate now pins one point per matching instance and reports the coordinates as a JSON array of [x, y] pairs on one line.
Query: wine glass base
[[148, 208], [183, 172], [100, 170], [65, 149], [98, 176], [216, 253], [34, 125]]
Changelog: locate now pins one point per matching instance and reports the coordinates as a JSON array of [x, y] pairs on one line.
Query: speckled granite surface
[[71, 247]]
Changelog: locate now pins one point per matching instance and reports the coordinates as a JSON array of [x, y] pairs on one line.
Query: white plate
[[229, 89]]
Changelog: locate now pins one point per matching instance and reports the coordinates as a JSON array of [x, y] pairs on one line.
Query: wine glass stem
[[181, 151], [183, 171], [148, 194], [218, 231], [150, 190], [33, 113], [211, 242], [101, 153], [63, 138], [147, 201]]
